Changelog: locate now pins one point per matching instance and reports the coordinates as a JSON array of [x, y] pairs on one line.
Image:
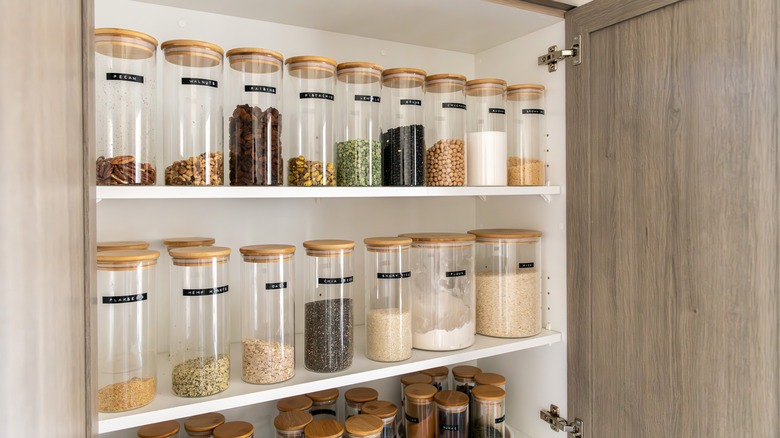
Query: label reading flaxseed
[[121, 299], [274, 286], [315, 95], [367, 98], [496, 111], [259, 89], [124, 77], [453, 105], [525, 265], [455, 274], [204, 292], [337, 280], [393, 275], [415, 102], [533, 111], [199, 81]]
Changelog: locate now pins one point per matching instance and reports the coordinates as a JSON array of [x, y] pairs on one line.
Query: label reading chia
[[526, 265], [393, 275], [450, 427], [412, 419], [202, 292], [322, 412], [338, 280], [533, 111], [496, 111], [500, 419], [259, 89], [455, 274], [121, 299], [273, 286], [453, 105], [315, 95], [415, 102], [124, 77], [367, 98]]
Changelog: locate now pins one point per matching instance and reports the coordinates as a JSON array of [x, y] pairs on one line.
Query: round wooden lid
[[192, 53], [178, 242], [159, 430], [443, 76], [171, 44], [506, 233], [115, 31], [420, 391], [467, 371], [364, 425], [380, 408], [122, 244], [529, 87], [485, 87], [311, 67], [451, 398], [293, 420], [254, 60], [267, 250], [439, 237], [124, 43], [296, 403], [361, 395], [254, 51], [129, 255], [324, 429], [488, 393], [328, 244], [384, 243], [199, 252], [437, 372], [403, 78], [412, 378], [359, 72], [203, 422], [326, 395], [490, 379], [234, 429]]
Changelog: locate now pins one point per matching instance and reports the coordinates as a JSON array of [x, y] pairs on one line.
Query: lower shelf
[[167, 406]]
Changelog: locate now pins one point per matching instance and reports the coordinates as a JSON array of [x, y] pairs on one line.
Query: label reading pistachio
[[124, 77], [206, 291], [315, 95], [121, 299]]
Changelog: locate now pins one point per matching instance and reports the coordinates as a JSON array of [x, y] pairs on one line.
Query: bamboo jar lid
[[488, 393], [412, 378], [199, 255], [267, 253], [361, 395], [125, 256], [439, 237], [122, 244], [203, 424], [450, 398], [179, 242], [192, 53], [124, 43], [420, 392], [295, 403], [466, 371], [364, 425], [293, 420], [380, 408], [311, 67], [328, 244], [254, 60], [437, 372], [323, 396], [359, 72], [234, 429], [506, 233], [490, 379], [159, 430], [324, 429]]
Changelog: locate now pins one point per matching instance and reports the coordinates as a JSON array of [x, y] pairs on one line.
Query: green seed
[[359, 163]]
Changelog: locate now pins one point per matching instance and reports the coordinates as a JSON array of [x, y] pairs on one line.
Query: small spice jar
[[487, 411], [300, 403], [291, 424], [403, 132], [509, 283], [526, 132], [364, 426], [486, 147], [122, 245], [440, 376], [443, 280], [463, 377], [324, 404], [452, 414], [388, 300], [411, 379], [254, 117], [328, 309], [355, 398], [268, 313], [490, 379], [200, 305], [163, 429], [203, 424], [419, 415], [358, 152], [127, 374], [387, 412], [311, 154], [125, 94], [445, 130], [192, 99], [235, 429], [324, 429]]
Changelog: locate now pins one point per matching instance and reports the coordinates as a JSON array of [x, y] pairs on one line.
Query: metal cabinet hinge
[[554, 55], [558, 424]]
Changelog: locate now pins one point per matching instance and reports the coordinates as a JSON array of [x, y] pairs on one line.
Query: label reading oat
[[455, 274], [393, 275], [533, 111], [204, 292], [415, 102], [337, 280], [526, 265], [275, 286], [315, 95], [367, 98], [259, 89], [124, 77], [199, 81], [121, 299], [453, 105], [496, 111]]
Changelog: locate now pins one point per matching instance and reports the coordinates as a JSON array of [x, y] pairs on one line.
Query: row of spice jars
[[458, 152], [204, 425]]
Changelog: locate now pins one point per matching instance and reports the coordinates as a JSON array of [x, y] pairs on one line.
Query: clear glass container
[[452, 414], [199, 324], [419, 411], [527, 135], [324, 429], [486, 142], [364, 426], [163, 429], [122, 245], [355, 398], [254, 117], [125, 96], [192, 113], [235, 429], [183, 242], [490, 379], [445, 130], [203, 425], [324, 404], [444, 298], [358, 151], [328, 308], [127, 329], [387, 412], [509, 282], [463, 378], [411, 379], [268, 313], [487, 412], [310, 161], [440, 376], [291, 424], [403, 132], [388, 300], [300, 403]]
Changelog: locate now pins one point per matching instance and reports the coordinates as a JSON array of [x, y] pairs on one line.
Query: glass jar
[[387, 412], [127, 374], [268, 313], [328, 308], [490, 379], [200, 326], [122, 245], [440, 376], [300, 403], [291, 424], [324, 429], [486, 147], [403, 134], [419, 415], [311, 152], [163, 429], [411, 379], [442, 277], [324, 404], [509, 283], [235, 429], [452, 414], [388, 300], [445, 133], [183, 242], [125, 95], [358, 151], [364, 426], [463, 377], [254, 118], [487, 412], [203, 424], [527, 135], [192, 113], [355, 398]]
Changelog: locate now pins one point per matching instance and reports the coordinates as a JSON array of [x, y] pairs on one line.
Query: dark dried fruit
[[255, 147]]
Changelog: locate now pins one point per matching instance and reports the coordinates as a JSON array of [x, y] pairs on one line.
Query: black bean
[[403, 156]]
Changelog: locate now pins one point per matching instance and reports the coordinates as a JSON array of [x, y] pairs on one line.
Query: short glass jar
[[324, 404], [203, 425], [387, 412], [403, 132], [486, 144], [526, 133], [440, 376], [445, 130], [324, 429], [163, 429], [355, 398], [452, 414], [291, 424], [300, 403], [410, 379], [419, 411], [235, 429], [364, 426], [487, 411], [463, 377], [490, 379]]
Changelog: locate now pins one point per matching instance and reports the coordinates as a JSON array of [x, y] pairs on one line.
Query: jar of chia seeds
[[291, 424], [203, 425], [355, 398], [487, 411], [445, 130], [486, 144], [526, 132], [452, 414], [463, 378], [440, 376], [403, 132], [387, 412], [324, 404], [364, 426], [324, 429]]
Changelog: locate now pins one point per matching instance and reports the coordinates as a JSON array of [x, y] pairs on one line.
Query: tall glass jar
[[388, 300], [125, 94], [358, 152], [328, 308], [364, 426], [310, 160], [463, 378], [127, 374], [387, 412], [445, 133], [291, 424], [452, 414], [419, 411], [254, 118], [235, 429], [355, 398], [122, 245], [192, 113], [509, 282], [203, 425], [403, 132], [300, 403], [163, 429], [324, 429], [487, 412], [200, 329], [444, 299], [526, 133], [440, 376], [486, 147], [324, 404], [268, 313], [494, 379]]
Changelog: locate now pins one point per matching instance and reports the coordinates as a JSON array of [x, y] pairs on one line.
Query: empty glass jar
[[486, 144], [403, 132], [445, 130], [526, 134]]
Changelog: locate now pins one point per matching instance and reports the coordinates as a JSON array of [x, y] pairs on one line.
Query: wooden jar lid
[[488, 393], [326, 395], [124, 43], [412, 378], [159, 430], [439, 237], [437, 372], [292, 420], [199, 252], [361, 395], [204, 422], [380, 408], [125, 256], [490, 379], [451, 398], [178, 242], [295, 403], [267, 250], [364, 425], [324, 429], [506, 233], [384, 243], [122, 244], [420, 391], [234, 429], [467, 371]]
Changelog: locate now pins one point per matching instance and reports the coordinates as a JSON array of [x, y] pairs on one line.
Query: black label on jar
[[206, 291], [367, 98], [274, 286], [454, 105], [450, 427], [121, 299], [496, 111], [526, 265], [415, 102], [455, 274], [533, 111], [322, 412], [393, 275], [199, 81], [500, 419], [259, 89], [412, 419], [341, 280], [124, 77], [315, 95]]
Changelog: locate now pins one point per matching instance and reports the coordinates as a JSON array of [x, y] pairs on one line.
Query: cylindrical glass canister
[[203, 425], [254, 117], [487, 411], [494, 379], [387, 412], [486, 144], [324, 404], [444, 298], [183, 242], [509, 282], [324, 429], [200, 329], [122, 245], [445, 130], [268, 313], [125, 95], [463, 377], [163, 429], [235, 429], [452, 414], [127, 373], [440, 376], [419, 411], [300, 403], [355, 398], [364, 426], [411, 379], [291, 424], [310, 161], [388, 299], [328, 309], [527, 135], [358, 151], [403, 132]]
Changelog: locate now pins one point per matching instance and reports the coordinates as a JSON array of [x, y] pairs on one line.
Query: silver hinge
[[554, 55], [558, 424]]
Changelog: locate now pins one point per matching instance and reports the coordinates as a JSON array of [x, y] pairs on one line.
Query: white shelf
[[167, 406]]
